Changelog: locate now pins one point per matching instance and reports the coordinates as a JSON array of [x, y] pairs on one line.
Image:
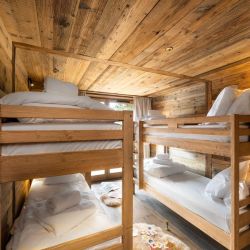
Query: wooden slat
[[58, 136], [244, 219], [117, 246], [127, 181], [141, 156], [189, 120], [244, 148], [244, 131], [245, 202], [234, 222], [244, 239], [16, 111], [204, 131], [22, 167], [199, 146], [216, 233], [107, 62], [89, 240], [244, 118]]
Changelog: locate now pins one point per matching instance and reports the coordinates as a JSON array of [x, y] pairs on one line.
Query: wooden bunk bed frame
[[22, 167], [237, 151]]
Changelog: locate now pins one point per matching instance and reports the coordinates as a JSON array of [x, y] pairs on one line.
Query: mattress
[[187, 189], [29, 234], [39, 148], [215, 138]]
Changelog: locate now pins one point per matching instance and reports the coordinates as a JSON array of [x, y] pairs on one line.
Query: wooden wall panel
[[184, 102]]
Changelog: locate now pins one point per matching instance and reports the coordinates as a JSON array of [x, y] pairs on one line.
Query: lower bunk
[[61, 210], [186, 193]]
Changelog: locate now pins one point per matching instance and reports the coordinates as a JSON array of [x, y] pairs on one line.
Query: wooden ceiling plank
[[45, 22], [107, 62], [88, 14], [65, 12]]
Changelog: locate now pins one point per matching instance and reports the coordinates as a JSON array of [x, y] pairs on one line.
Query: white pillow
[[241, 105], [62, 179], [223, 102], [220, 186], [59, 87], [161, 171], [243, 193], [162, 156]]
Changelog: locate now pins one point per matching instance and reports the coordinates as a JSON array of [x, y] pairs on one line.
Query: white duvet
[[21, 98], [30, 234]]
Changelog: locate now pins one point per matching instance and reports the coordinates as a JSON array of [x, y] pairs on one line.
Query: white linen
[[162, 162], [216, 138], [59, 87], [21, 98], [241, 105], [65, 221], [162, 156], [53, 180], [223, 102], [161, 171], [28, 225], [219, 186], [187, 189], [60, 202], [39, 148]]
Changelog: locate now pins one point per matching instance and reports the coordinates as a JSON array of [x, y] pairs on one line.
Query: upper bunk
[[224, 130]]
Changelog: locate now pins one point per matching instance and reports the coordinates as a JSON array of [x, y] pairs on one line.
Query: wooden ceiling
[[205, 35]]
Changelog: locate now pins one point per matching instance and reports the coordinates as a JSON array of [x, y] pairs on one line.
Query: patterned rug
[[151, 237]]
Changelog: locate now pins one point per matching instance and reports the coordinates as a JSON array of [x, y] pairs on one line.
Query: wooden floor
[[149, 210]]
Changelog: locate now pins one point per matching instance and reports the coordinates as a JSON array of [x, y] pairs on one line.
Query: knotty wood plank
[[16, 111], [7, 137], [107, 62], [199, 146], [89, 240], [24, 167]]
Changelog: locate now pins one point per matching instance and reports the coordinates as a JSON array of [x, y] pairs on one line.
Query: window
[[115, 170], [121, 106]]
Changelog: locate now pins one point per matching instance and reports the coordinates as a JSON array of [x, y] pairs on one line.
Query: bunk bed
[[229, 139], [23, 165]]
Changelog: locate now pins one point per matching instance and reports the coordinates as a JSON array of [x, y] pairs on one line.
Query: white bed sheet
[[29, 234], [187, 189], [215, 138], [39, 148]]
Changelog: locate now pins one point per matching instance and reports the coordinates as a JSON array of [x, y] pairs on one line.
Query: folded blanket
[[63, 201], [161, 171], [64, 222], [163, 162], [162, 156]]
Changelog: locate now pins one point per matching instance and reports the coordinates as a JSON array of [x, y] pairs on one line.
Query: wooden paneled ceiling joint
[[29, 47]]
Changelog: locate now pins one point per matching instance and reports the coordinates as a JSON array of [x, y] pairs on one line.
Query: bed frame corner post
[[140, 155], [13, 67], [234, 239], [127, 181]]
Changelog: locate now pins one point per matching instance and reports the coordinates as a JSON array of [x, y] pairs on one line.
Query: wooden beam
[[107, 62], [13, 67]]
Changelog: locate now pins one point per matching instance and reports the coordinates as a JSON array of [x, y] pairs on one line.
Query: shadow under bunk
[[39, 165]]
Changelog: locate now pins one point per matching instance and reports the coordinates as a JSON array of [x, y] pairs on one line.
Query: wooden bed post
[[140, 155], [234, 244], [208, 157], [13, 67], [127, 181]]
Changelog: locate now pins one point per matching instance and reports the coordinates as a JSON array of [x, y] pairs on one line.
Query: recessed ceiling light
[[169, 48]]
